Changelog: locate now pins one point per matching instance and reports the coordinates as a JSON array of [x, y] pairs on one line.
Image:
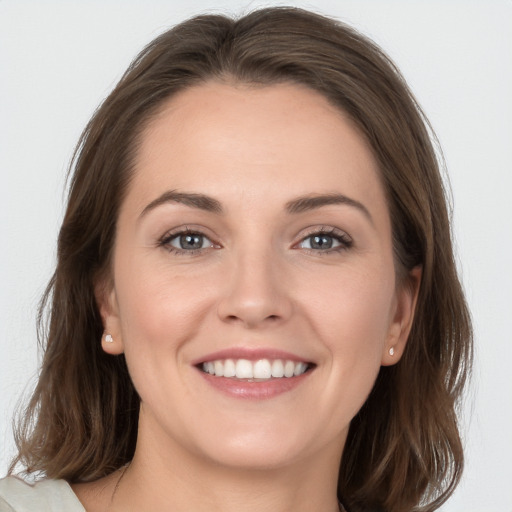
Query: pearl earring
[[108, 338], [392, 351]]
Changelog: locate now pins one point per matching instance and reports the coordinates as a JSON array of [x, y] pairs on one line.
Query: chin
[[263, 447], [256, 457]]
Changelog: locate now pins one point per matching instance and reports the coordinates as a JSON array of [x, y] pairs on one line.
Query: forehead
[[271, 142]]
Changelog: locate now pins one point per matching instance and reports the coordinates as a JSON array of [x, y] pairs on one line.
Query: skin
[[255, 283]]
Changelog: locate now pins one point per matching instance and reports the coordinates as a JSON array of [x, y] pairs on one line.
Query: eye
[[186, 242], [190, 241], [326, 241]]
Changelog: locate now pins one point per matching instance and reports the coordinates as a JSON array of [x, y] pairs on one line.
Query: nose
[[256, 292]]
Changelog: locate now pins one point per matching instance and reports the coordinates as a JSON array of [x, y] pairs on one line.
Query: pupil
[[321, 242], [191, 241]]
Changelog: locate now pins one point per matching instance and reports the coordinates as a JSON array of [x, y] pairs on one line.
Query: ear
[[106, 299], [403, 316]]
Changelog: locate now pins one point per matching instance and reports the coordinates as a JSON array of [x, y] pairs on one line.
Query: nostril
[[254, 308]]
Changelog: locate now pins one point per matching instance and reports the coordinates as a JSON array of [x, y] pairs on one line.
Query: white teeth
[[261, 369], [229, 368], [277, 368], [219, 368], [289, 366], [243, 369], [300, 368]]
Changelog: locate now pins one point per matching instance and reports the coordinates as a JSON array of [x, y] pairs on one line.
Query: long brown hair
[[403, 451]]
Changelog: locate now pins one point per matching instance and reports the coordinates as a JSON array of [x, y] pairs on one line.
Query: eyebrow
[[312, 202], [295, 206], [200, 201]]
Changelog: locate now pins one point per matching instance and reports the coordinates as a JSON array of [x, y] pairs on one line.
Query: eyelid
[[344, 239], [168, 236], [340, 235]]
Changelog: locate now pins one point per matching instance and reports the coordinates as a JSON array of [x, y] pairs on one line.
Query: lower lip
[[254, 390]]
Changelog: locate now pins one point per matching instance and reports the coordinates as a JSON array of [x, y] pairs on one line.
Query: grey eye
[[321, 241], [190, 241]]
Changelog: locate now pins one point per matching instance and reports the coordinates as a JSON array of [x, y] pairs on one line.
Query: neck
[[172, 478]]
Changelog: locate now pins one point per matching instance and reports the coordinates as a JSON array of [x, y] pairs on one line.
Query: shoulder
[[44, 496]]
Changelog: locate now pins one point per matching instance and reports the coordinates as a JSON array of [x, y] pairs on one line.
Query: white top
[[44, 496]]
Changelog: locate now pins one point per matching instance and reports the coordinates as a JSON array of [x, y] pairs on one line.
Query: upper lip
[[251, 354]]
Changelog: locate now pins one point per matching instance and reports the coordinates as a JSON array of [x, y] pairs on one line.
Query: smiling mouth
[[255, 371]]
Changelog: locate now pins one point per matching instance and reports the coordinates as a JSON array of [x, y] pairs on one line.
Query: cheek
[[159, 310], [353, 320], [354, 309], [160, 313]]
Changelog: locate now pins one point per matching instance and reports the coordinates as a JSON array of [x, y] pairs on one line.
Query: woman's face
[[254, 241]]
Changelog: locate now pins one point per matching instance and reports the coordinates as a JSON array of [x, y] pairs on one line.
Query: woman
[[255, 305]]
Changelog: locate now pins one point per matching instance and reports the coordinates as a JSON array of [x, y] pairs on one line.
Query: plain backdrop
[[58, 60]]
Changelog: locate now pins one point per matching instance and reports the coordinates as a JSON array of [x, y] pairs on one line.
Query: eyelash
[[166, 240], [344, 240]]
